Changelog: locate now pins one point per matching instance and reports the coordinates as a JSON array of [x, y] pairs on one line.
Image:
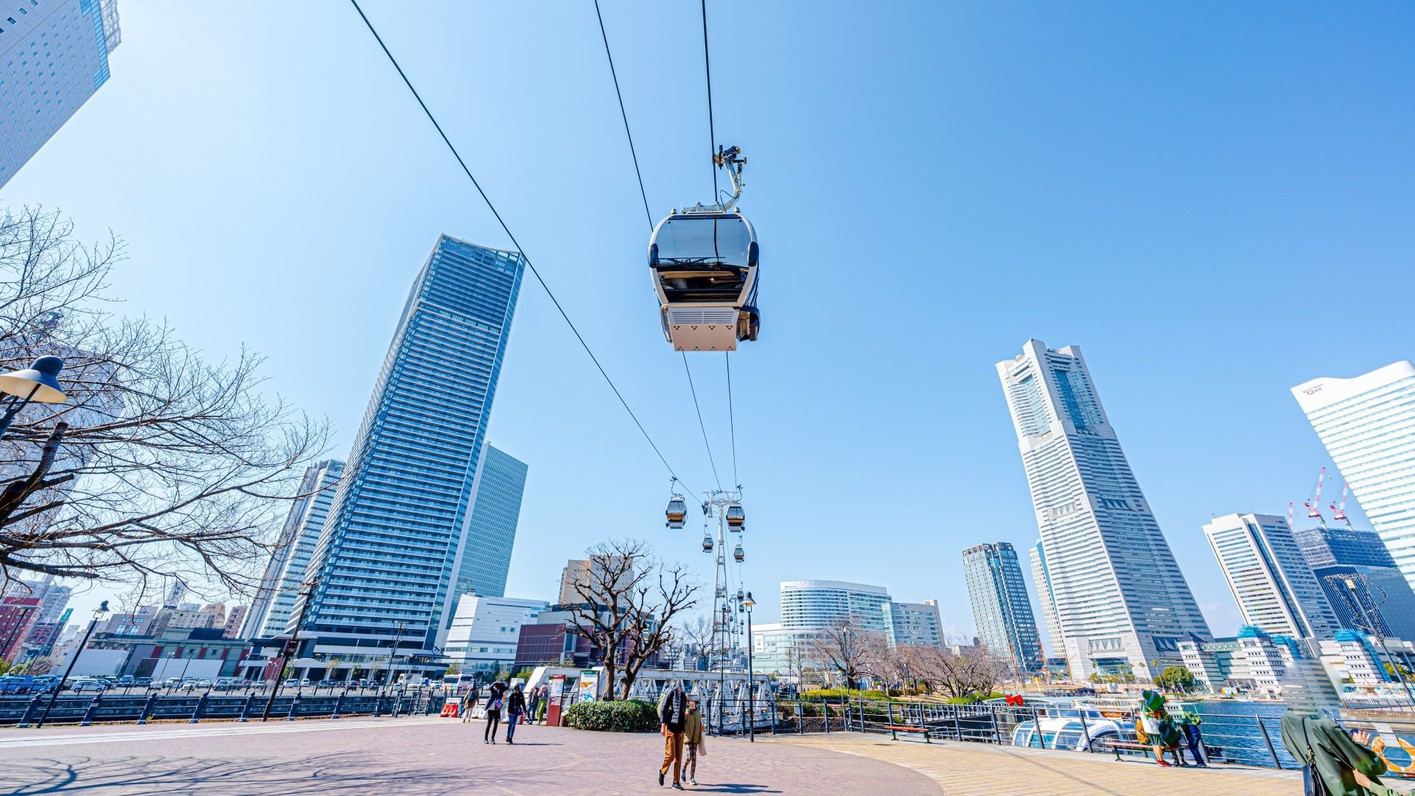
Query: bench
[[1116, 746], [895, 729]]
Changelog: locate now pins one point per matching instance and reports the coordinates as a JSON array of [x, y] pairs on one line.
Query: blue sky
[[1212, 200]]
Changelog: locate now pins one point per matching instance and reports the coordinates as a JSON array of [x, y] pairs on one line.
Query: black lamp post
[[97, 614], [749, 604], [38, 382]]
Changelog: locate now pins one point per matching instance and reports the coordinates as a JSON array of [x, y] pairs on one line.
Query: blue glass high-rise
[[486, 556], [387, 560]]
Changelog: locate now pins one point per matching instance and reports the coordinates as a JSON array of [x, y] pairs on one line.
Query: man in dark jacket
[[672, 716]]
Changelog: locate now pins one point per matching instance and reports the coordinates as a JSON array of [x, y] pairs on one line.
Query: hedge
[[623, 715], [840, 693]]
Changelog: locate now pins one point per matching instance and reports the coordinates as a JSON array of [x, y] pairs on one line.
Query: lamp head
[[41, 378]]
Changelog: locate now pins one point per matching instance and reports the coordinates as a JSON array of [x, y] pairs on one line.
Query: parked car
[[143, 682], [126, 681], [204, 685], [172, 682], [305, 682], [292, 683], [88, 684]]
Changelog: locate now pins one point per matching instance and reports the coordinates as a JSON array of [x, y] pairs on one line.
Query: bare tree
[[627, 600], [698, 632], [160, 465], [842, 646], [970, 671]]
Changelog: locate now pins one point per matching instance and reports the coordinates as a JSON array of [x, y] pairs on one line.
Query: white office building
[[485, 630], [53, 57], [913, 624], [1270, 579], [817, 603], [1367, 424], [783, 652], [274, 603], [1121, 602], [1042, 581]]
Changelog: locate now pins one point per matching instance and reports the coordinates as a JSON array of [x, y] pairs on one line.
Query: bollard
[[92, 708], [151, 705], [29, 711]]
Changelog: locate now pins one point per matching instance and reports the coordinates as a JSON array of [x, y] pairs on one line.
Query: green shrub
[[840, 693], [622, 715]]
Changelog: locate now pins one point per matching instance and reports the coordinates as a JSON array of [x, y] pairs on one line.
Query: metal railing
[[1250, 739], [84, 709]]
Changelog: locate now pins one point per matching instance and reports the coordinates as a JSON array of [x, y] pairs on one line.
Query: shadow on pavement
[[335, 774]]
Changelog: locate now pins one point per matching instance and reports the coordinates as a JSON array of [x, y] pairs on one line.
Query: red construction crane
[[1339, 512], [1314, 510]]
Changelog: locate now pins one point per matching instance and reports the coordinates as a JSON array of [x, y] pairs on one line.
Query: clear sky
[[1213, 200]]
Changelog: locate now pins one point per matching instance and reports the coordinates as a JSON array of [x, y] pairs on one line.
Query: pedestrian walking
[[515, 709], [469, 703], [693, 742], [672, 717], [493, 711], [1194, 737]]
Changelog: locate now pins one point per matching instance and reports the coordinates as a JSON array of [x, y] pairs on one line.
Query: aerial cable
[[731, 417], [529, 265], [624, 114], [712, 133], [701, 424]]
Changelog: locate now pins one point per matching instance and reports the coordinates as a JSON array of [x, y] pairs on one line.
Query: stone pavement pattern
[[409, 757], [988, 770]]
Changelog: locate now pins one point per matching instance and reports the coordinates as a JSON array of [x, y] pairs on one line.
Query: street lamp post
[[38, 382], [749, 604], [97, 614], [1375, 627], [291, 646]]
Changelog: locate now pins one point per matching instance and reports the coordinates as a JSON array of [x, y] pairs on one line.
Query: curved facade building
[[816, 603]]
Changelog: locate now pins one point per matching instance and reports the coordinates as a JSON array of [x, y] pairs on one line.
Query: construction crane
[[1338, 512], [1314, 510]]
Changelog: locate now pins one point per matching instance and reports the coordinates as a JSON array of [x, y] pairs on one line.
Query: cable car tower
[[703, 260], [724, 505]]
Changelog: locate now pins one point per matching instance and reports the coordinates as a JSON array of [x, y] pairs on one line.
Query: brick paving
[[988, 770], [409, 757]]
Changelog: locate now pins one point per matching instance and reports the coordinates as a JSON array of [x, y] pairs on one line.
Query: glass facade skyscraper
[[280, 586], [1275, 589], [1367, 424], [1001, 610], [1121, 602], [392, 547], [1042, 581], [1360, 579], [492, 531], [53, 57]]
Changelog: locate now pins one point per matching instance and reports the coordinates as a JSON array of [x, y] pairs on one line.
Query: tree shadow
[[325, 775]]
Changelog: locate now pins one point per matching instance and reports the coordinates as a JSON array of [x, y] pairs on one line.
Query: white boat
[[1078, 727]]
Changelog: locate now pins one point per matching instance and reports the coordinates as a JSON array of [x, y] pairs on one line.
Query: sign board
[[589, 685], [556, 697]]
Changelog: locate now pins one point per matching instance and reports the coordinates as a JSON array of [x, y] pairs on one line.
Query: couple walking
[[514, 704], [681, 725]]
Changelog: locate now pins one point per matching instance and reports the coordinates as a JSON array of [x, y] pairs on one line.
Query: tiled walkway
[[988, 770]]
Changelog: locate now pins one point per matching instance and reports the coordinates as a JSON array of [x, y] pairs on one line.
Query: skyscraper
[[1275, 589], [1042, 581], [1121, 601], [392, 548], [1001, 610], [1367, 424], [280, 587], [53, 57], [817, 603], [492, 531], [1360, 579], [913, 624]]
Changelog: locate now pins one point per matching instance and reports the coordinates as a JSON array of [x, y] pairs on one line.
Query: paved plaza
[[430, 756], [409, 757]]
